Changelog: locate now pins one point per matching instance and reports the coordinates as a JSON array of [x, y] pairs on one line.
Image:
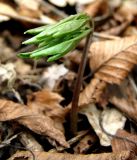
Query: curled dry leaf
[[34, 116], [111, 61], [125, 155], [123, 145]]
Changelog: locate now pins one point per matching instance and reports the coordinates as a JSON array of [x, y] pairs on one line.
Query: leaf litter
[[36, 96]]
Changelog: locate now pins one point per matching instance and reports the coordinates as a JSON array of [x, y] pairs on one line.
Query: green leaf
[[55, 40], [63, 29], [63, 47], [37, 30]]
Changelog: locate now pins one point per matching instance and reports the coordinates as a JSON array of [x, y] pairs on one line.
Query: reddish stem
[[75, 99]]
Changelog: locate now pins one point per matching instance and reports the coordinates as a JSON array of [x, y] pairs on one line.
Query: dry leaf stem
[[75, 99]]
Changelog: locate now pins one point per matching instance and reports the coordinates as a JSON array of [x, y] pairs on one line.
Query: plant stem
[[75, 99]]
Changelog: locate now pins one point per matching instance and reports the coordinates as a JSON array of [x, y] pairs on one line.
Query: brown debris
[[34, 117], [125, 155], [124, 145], [85, 144]]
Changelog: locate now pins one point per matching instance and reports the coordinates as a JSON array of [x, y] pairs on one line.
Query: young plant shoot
[[56, 40]]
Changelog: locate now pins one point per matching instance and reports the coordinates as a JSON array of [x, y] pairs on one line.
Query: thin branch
[[75, 99]]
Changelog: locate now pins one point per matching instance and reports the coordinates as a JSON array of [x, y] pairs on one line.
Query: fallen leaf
[[128, 10], [125, 155], [19, 64], [124, 98], [131, 30], [117, 30], [5, 8], [59, 3], [111, 61], [95, 7], [29, 8], [32, 117], [7, 74], [122, 144], [52, 74], [47, 103], [6, 52], [112, 120], [103, 52], [4, 18], [31, 4]]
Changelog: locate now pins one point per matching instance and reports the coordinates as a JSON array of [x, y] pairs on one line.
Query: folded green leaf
[[55, 40], [59, 49], [36, 30], [63, 29]]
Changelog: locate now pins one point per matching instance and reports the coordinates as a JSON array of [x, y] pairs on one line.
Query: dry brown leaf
[[24, 11], [74, 57], [96, 6], [112, 120], [6, 52], [5, 8], [111, 61], [125, 155], [31, 4], [32, 116], [117, 30], [19, 64], [103, 52], [29, 8], [47, 103], [92, 92], [123, 145], [127, 9], [130, 31], [124, 98]]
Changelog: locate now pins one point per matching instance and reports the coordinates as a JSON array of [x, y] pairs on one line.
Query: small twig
[[74, 108], [112, 135], [71, 141], [8, 141]]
